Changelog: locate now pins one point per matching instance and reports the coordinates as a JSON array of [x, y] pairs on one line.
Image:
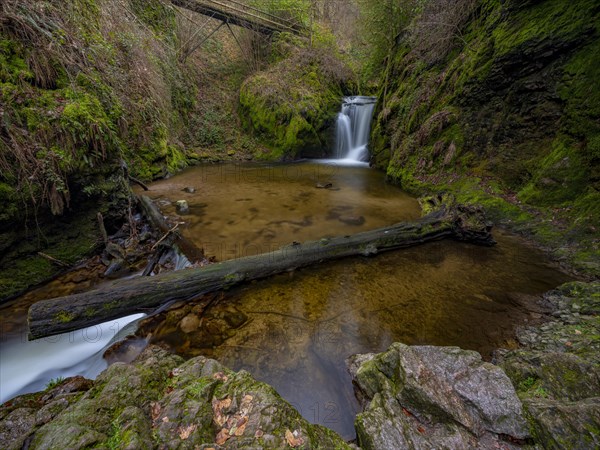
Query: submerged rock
[[434, 397], [182, 207]]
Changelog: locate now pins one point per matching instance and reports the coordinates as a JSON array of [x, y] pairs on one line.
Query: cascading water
[[353, 128]]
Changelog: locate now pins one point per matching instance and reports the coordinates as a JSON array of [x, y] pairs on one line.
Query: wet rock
[[235, 318], [189, 189], [428, 397], [115, 268], [352, 220], [182, 207], [73, 384], [189, 323]]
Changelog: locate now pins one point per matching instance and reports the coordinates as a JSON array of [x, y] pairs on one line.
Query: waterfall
[[353, 128]]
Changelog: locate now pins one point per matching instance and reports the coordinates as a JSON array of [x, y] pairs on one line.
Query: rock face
[[160, 401], [434, 397], [557, 370]]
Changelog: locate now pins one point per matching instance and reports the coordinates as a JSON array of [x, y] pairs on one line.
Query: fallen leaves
[[185, 432], [222, 437], [220, 376], [231, 424], [218, 406], [293, 439], [155, 410]]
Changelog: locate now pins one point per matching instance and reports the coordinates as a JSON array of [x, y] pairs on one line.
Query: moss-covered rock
[[291, 104], [557, 370], [159, 401]]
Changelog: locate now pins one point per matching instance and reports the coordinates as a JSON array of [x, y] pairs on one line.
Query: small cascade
[[353, 128]]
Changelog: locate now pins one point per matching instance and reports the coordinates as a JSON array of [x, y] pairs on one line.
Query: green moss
[[560, 177], [13, 68], [290, 105], [550, 19], [64, 317]]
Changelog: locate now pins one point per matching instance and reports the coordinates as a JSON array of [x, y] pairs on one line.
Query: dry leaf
[[184, 432], [165, 419], [154, 410], [218, 407], [241, 426], [259, 434], [222, 437], [293, 439], [220, 376]]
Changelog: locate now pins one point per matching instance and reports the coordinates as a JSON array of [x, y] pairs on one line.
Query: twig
[[138, 182], [165, 236], [54, 260]]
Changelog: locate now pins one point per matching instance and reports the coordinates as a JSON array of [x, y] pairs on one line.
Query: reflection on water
[[294, 331]]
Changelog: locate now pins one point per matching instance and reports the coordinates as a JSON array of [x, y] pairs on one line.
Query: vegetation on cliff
[[498, 102], [291, 104]]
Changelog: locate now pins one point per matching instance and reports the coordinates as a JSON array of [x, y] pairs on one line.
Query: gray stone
[[559, 424], [182, 207], [424, 397]]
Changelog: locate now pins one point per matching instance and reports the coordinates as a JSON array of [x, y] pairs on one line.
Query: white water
[[353, 129], [27, 366]]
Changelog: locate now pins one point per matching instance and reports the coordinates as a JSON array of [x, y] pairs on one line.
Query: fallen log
[[63, 314]]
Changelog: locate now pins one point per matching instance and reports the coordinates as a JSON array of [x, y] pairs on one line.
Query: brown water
[[238, 209], [301, 326]]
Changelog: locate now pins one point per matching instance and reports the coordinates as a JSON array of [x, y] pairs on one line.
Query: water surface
[[301, 326]]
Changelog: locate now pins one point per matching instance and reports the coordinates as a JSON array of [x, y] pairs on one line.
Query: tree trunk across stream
[[63, 314]]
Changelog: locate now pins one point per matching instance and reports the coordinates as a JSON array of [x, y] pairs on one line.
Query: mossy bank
[[507, 117]]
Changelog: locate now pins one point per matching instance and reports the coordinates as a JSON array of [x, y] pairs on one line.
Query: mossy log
[[63, 314]]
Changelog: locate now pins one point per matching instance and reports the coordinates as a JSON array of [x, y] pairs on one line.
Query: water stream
[[353, 128]]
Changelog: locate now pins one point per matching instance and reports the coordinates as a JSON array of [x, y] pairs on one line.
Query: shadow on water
[[299, 328]]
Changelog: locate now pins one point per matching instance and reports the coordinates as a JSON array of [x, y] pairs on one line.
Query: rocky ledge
[[546, 393], [160, 401]]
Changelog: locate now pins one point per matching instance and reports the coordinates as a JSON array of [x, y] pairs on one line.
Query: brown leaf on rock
[[222, 437], [293, 439], [154, 410], [185, 432], [220, 376], [241, 426], [218, 407]]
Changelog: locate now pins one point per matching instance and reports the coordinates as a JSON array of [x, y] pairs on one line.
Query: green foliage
[[560, 176], [292, 102], [383, 22], [157, 15], [54, 382]]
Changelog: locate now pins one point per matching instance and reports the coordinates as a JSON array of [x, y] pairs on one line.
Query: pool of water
[[300, 327], [244, 209]]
